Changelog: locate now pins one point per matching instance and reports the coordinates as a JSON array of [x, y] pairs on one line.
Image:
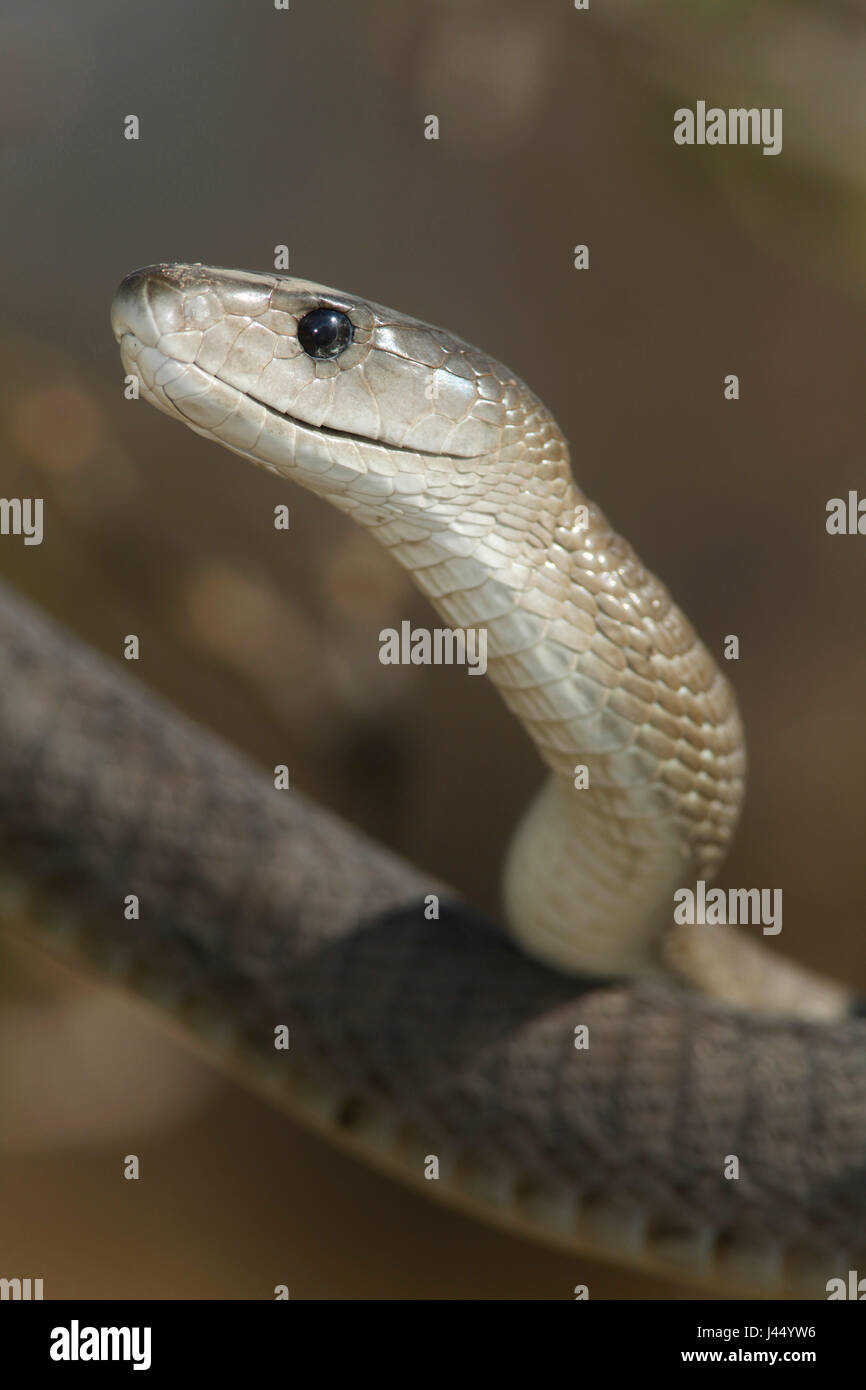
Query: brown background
[[306, 128]]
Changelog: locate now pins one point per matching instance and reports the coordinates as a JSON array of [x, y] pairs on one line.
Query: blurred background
[[305, 128]]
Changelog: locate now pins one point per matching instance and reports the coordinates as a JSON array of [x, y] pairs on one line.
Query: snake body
[[413, 1037], [409, 1037]]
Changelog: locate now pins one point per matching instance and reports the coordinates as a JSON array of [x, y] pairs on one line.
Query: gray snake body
[[411, 1037]]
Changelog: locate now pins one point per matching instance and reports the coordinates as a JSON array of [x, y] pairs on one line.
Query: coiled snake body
[[412, 1037]]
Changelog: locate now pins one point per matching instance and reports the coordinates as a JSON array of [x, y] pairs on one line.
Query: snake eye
[[325, 332]]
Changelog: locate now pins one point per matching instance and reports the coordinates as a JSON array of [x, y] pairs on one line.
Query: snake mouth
[[164, 401], [370, 441]]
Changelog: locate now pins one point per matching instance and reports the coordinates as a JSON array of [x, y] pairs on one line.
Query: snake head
[[376, 410]]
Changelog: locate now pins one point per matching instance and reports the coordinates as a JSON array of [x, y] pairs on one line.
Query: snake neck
[[626, 707]]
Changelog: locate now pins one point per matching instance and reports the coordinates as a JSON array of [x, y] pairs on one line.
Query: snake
[[453, 464], [454, 1038]]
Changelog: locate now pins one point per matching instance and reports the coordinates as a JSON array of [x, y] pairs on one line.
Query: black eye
[[325, 332]]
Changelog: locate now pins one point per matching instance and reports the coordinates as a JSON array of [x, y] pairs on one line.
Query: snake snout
[[150, 302], [129, 312]]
